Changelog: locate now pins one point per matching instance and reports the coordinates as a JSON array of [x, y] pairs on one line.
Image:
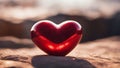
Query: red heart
[[55, 39]]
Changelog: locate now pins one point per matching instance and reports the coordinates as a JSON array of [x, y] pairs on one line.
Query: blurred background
[[99, 18]]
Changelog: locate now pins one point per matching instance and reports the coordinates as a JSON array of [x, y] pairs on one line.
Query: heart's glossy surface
[[56, 39]]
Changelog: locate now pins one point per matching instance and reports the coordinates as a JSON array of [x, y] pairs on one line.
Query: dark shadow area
[[13, 45], [44, 61], [114, 25]]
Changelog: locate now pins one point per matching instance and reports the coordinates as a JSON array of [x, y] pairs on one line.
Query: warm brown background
[[99, 47]]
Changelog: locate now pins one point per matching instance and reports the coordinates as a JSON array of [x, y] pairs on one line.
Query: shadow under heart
[[45, 61]]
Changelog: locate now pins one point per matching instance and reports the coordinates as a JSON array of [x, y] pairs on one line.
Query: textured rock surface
[[20, 53], [14, 64]]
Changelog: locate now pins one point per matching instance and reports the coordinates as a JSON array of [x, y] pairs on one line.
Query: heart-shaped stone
[[56, 39]]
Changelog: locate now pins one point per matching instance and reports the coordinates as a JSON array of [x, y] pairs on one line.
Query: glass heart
[[56, 39]]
